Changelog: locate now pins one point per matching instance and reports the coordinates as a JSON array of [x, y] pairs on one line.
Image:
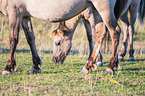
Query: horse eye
[[58, 43]]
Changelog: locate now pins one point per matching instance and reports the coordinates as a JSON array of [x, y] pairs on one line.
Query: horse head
[[62, 43]]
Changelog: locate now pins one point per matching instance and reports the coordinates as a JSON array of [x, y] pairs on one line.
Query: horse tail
[[141, 11]]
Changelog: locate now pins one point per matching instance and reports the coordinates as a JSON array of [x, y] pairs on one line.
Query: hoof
[[120, 57], [35, 71], [131, 58], [86, 62], [99, 63], [108, 71], [94, 67], [84, 70], [118, 67], [6, 73], [41, 63]]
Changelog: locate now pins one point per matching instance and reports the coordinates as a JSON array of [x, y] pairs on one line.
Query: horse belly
[[55, 10]]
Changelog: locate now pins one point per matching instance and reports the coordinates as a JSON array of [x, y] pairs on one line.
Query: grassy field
[[65, 79]]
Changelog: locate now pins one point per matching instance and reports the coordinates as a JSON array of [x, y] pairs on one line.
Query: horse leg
[[114, 62], [88, 25], [125, 25], [28, 29], [100, 33], [133, 14], [99, 61], [90, 21], [106, 10], [89, 35], [106, 47], [15, 18]]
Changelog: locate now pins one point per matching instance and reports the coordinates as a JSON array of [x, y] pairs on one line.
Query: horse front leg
[[99, 61], [28, 29], [15, 18], [89, 24], [100, 34], [89, 36], [125, 25]]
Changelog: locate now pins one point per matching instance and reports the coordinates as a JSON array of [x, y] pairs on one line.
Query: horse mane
[[62, 26]]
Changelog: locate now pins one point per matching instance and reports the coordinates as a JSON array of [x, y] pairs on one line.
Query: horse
[[65, 32], [128, 27], [121, 9], [63, 35], [20, 12], [68, 28]]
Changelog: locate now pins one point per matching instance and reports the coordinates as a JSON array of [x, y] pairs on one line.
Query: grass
[[65, 79]]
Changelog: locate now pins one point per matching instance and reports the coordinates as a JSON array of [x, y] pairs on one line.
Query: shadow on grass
[[137, 38], [142, 59], [128, 62], [4, 51], [132, 69]]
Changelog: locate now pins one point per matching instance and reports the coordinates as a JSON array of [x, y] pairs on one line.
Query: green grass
[[65, 79]]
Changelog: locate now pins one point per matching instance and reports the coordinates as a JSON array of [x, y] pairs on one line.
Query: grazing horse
[[136, 6], [64, 32], [20, 12]]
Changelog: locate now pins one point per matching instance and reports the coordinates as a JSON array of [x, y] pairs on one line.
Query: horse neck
[[72, 23]]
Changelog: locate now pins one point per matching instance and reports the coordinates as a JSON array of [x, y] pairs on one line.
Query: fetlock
[[11, 65], [131, 52], [113, 63], [122, 53]]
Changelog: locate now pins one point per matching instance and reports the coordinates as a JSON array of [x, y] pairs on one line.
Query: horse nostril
[[57, 60]]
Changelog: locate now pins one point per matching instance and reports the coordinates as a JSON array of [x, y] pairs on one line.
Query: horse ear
[[54, 33], [59, 32]]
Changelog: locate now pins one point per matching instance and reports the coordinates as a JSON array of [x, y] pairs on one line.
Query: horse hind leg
[[14, 21], [125, 25], [88, 27], [89, 22], [99, 61], [106, 41], [28, 29]]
